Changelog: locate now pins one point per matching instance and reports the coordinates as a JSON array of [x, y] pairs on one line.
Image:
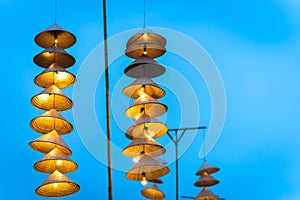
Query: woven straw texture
[[151, 49], [153, 192], [206, 194], [51, 120], [144, 66], [206, 180], [54, 55], [48, 142], [46, 38], [57, 185], [52, 98], [146, 35], [207, 167], [55, 75]]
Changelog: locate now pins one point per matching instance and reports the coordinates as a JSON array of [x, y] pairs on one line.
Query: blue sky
[[255, 45]]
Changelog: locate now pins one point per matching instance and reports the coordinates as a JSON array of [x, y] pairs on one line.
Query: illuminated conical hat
[[206, 194], [149, 167], [54, 55], [143, 85], [55, 75], [48, 142], [145, 42], [153, 192], [144, 66], [148, 105], [64, 38], [146, 145], [155, 128], [50, 98], [207, 167], [55, 160], [57, 185], [51, 120], [206, 180]]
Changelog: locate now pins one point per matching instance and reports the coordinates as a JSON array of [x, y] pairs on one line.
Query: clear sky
[[255, 45]]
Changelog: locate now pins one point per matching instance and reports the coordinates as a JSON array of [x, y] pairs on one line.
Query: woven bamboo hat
[[57, 185], [46, 38], [143, 85], [51, 120], [55, 160], [206, 180], [48, 142], [157, 180], [207, 167], [147, 42], [55, 75], [148, 105], [155, 128], [144, 66], [153, 192], [149, 167], [206, 194], [52, 98], [144, 145], [54, 55]]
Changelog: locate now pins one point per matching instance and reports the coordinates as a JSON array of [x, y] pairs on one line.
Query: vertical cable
[[109, 162], [55, 10], [204, 145], [144, 13]]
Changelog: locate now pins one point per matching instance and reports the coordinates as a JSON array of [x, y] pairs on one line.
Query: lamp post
[[176, 141]]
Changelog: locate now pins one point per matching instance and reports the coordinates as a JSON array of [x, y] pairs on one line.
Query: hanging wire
[[55, 10], [204, 144], [144, 13]]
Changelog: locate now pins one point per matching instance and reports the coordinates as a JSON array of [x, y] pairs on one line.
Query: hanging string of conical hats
[[144, 149], [51, 123]]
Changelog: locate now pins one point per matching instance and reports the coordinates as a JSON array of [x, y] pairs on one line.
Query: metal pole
[[109, 163], [176, 156]]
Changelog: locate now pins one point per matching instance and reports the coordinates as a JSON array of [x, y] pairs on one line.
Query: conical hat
[[46, 39], [55, 75], [206, 180], [146, 35], [151, 49], [206, 194], [153, 192], [51, 120], [57, 185], [154, 126], [54, 55], [48, 142], [157, 180], [143, 85], [55, 160], [146, 145], [50, 98], [207, 167], [150, 106], [148, 165], [144, 66]]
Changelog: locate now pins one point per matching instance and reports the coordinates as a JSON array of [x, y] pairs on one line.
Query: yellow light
[[145, 52], [58, 162], [143, 97], [141, 91], [144, 181], [138, 116], [61, 75], [136, 159], [43, 97], [55, 185], [56, 41]]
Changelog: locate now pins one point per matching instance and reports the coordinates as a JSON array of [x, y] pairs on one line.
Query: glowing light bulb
[[138, 116], [136, 159], [145, 52], [56, 41], [144, 181], [58, 162], [143, 97], [55, 185], [141, 91], [61, 75], [43, 97]]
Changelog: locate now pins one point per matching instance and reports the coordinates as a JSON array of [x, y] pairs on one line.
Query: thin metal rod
[[144, 13], [109, 162], [176, 155], [55, 10], [189, 128]]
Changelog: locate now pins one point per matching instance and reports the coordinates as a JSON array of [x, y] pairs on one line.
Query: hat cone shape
[[143, 85], [55, 160], [48, 142], [55, 35], [146, 104], [206, 194], [51, 120], [144, 66], [157, 180], [54, 55], [52, 98], [148, 166], [146, 145], [57, 185], [207, 167], [153, 192], [55, 75], [146, 42], [155, 128], [206, 180]]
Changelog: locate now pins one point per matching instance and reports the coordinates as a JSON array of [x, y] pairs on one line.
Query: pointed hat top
[[206, 194], [207, 167]]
